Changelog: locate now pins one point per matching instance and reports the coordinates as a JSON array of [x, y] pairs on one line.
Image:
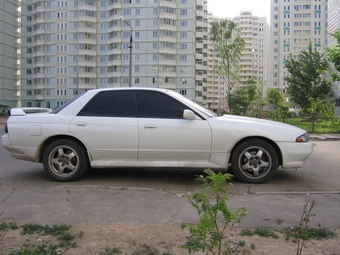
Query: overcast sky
[[232, 8]]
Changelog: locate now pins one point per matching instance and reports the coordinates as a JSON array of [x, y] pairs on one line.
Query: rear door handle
[[81, 124], [148, 126]]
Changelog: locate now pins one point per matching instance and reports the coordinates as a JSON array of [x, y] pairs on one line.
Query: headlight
[[302, 138]]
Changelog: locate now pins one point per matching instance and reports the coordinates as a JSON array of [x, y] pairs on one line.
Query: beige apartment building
[[9, 55], [253, 63], [294, 24], [70, 46]]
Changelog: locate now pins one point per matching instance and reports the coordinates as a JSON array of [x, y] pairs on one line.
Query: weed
[[66, 236], [30, 249], [308, 234], [54, 230], [111, 251], [145, 249], [209, 234], [9, 225], [260, 232], [241, 243], [303, 233]]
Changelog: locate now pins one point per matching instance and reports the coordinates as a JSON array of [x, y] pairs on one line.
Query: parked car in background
[[145, 127]]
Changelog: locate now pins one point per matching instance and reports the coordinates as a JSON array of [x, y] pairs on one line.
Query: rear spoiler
[[28, 110]]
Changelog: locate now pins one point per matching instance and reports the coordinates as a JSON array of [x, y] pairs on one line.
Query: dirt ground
[[165, 238]]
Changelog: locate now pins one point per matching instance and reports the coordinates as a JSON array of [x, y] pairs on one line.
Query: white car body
[[197, 140]]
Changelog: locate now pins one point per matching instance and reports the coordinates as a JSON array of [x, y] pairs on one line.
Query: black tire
[[65, 160], [254, 161]]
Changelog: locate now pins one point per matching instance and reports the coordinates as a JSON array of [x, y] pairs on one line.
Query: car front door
[[108, 126], [165, 136]]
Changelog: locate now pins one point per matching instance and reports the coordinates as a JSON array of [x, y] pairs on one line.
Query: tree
[[228, 46], [307, 78], [320, 109], [333, 53], [209, 234], [276, 98], [247, 98]]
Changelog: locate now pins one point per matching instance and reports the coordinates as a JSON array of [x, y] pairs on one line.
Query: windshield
[[193, 105]]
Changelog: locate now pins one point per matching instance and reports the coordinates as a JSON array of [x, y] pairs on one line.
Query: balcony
[[167, 4]]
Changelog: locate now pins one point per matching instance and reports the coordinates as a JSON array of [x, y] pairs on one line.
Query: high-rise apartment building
[[294, 24], [333, 26], [9, 54], [333, 19], [253, 63], [72, 46]]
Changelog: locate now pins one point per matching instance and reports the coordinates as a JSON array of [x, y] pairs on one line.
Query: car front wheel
[[254, 161], [65, 160]]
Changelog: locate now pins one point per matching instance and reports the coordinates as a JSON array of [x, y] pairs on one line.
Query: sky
[[232, 8]]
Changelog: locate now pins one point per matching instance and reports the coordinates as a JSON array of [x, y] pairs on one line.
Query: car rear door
[[163, 133], [108, 126]]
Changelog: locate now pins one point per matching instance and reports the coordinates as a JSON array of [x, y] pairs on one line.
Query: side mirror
[[190, 115]]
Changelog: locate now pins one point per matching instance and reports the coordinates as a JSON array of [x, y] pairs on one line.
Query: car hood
[[249, 126]]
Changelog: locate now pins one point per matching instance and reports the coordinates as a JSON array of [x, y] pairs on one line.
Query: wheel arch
[[58, 137], [272, 143]]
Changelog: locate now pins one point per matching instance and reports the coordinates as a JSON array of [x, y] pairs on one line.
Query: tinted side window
[[153, 104], [111, 104]]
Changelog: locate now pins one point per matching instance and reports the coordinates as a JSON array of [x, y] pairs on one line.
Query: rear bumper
[[24, 153]]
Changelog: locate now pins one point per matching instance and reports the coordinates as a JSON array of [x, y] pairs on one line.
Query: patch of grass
[[66, 236], [29, 249], [145, 249], [320, 126], [308, 233], [265, 232], [241, 243], [55, 230], [9, 225], [111, 251]]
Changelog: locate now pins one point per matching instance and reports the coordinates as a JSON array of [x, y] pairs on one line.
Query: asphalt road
[[155, 196]]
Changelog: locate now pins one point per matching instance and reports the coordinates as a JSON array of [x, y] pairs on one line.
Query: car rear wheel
[[254, 161], [65, 160]]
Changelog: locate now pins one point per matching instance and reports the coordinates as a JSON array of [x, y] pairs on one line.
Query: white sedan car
[[144, 127]]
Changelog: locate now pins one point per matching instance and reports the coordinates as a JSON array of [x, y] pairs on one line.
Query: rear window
[[111, 104]]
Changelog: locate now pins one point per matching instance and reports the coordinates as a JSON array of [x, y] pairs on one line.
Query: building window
[[183, 92], [183, 12], [183, 35], [183, 46], [183, 23], [183, 58]]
